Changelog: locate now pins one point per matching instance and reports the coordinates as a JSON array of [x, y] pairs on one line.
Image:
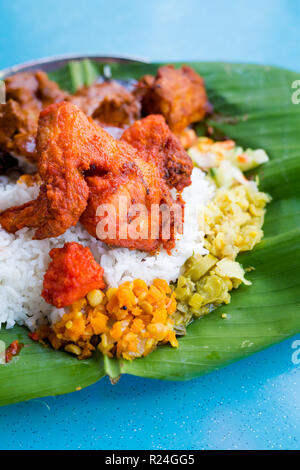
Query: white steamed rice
[[23, 261]]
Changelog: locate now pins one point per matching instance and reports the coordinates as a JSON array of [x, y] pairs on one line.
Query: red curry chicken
[[82, 166]]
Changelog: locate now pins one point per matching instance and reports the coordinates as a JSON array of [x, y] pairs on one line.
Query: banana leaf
[[252, 104]]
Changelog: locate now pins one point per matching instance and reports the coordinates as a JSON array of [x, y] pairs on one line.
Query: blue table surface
[[252, 404]]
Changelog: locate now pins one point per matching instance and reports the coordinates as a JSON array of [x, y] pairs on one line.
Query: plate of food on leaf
[[149, 220]]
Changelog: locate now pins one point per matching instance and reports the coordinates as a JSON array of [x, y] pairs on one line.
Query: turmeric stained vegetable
[[128, 321]]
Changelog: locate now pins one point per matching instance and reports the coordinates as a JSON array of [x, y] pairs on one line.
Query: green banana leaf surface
[[253, 105]]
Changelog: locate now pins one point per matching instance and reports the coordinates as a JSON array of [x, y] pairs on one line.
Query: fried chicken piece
[[178, 94], [18, 129], [153, 137], [82, 168], [26, 93], [108, 103], [125, 203], [71, 275], [33, 89], [143, 86], [164, 165], [67, 144]]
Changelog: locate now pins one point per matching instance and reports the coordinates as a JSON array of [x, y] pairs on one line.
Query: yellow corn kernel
[[73, 349], [95, 297], [146, 307], [104, 340], [69, 324]]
